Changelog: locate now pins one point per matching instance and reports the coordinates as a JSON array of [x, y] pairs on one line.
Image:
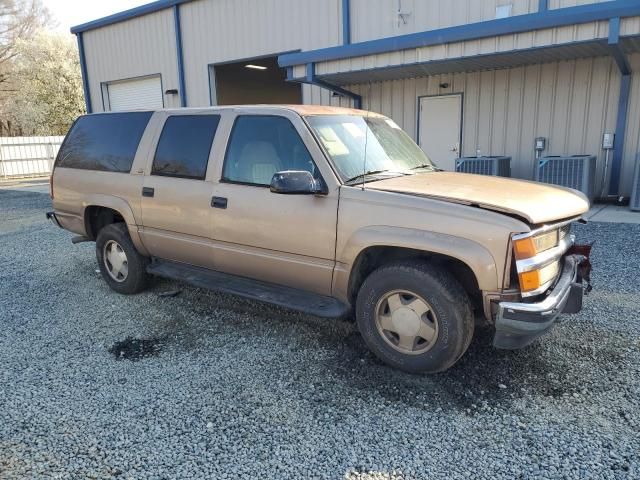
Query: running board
[[287, 297]]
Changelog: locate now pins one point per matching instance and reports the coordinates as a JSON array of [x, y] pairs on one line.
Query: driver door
[[284, 239]]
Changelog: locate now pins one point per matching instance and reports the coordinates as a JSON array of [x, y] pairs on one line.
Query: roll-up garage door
[[143, 93]]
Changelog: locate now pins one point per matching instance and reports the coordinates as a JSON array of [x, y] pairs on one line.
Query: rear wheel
[[415, 316], [122, 267]]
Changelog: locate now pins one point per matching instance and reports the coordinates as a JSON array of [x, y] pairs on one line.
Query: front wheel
[[415, 316], [121, 265]]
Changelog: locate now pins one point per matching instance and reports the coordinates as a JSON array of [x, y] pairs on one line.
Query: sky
[[68, 13]]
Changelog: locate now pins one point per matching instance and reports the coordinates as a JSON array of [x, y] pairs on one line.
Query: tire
[[403, 286], [128, 273]]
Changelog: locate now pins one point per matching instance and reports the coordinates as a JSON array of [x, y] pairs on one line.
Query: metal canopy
[[510, 59]]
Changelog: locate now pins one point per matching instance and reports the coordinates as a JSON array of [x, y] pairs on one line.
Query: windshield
[[389, 149]]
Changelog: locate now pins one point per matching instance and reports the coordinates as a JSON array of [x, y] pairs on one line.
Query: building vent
[[496, 166], [577, 172], [635, 194]]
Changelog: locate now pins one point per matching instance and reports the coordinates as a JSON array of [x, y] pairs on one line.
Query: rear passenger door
[[176, 194]]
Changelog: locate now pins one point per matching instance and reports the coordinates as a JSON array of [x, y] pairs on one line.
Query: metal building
[[463, 77]]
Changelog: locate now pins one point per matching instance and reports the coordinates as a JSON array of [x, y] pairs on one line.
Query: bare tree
[[19, 20], [48, 95]]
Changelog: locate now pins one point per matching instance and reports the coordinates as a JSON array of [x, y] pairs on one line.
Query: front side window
[[184, 146], [389, 150], [106, 142], [261, 146]]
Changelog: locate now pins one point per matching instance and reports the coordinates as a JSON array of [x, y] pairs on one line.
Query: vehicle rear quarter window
[[105, 142], [184, 146]]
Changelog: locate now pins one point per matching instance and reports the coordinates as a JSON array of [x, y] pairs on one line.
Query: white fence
[[22, 157]]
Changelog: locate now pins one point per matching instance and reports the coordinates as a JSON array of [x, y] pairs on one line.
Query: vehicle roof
[[302, 110]]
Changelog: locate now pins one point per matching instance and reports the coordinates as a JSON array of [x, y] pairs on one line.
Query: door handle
[[219, 202], [148, 192]]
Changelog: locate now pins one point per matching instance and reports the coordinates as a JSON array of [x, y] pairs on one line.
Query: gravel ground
[[228, 388]]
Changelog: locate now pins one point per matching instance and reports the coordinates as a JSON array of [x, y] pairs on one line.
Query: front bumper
[[519, 324]]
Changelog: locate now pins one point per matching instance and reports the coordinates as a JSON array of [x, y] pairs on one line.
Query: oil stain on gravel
[[136, 348]]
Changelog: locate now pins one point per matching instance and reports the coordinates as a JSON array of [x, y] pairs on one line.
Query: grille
[[495, 166], [577, 172]]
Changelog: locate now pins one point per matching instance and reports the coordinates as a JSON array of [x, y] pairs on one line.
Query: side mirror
[[293, 182]]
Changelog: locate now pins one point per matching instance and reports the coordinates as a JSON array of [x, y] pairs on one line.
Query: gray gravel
[[233, 389]]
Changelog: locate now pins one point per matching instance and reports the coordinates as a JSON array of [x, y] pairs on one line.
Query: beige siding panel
[[372, 19], [554, 4], [571, 103], [540, 38], [632, 137], [299, 71], [138, 47], [630, 26], [216, 31]]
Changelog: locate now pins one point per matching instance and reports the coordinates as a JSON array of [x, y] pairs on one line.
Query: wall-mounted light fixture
[[256, 67], [171, 91], [444, 85]]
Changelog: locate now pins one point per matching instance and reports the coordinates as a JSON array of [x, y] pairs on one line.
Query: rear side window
[[184, 146], [105, 142]]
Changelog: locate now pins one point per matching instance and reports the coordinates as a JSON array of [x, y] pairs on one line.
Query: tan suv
[[325, 210]]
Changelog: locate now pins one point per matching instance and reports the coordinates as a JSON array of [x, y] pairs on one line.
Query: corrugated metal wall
[[138, 47], [553, 4], [379, 18], [216, 31], [373, 19], [632, 142], [571, 103]]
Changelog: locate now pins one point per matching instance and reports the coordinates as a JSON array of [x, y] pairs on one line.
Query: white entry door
[[440, 129], [136, 94]]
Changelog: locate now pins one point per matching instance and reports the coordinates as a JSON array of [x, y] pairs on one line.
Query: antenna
[[366, 136]]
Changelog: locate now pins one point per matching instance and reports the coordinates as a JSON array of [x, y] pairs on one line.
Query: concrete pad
[[24, 182], [612, 214]]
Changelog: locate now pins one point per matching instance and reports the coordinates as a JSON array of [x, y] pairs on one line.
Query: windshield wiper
[[427, 165], [365, 174]]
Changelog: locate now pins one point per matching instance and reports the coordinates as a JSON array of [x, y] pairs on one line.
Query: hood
[[536, 202]]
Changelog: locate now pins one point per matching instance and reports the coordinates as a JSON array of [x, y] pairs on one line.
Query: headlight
[[531, 246]]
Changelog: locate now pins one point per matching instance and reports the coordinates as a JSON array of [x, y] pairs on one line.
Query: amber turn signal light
[[530, 280], [524, 248]]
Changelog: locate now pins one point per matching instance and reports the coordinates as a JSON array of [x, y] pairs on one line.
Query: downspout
[[83, 72], [623, 104], [178, 33], [313, 80], [543, 5], [346, 22]]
